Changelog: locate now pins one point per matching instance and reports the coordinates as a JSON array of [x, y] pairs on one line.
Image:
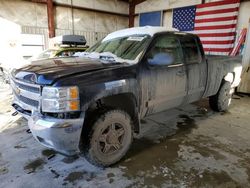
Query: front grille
[[27, 88], [28, 101], [25, 94]]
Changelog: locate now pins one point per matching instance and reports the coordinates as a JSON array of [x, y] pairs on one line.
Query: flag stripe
[[216, 23], [218, 3], [217, 42], [235, 5], [216, 27], [218, 46], [216, 38], [217, 49], [214, 31], [217, 16], [217, 53], [216, 34], [221, 19], [228, 10]]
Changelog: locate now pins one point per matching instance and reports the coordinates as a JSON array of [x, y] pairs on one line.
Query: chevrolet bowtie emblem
[[17, 90]]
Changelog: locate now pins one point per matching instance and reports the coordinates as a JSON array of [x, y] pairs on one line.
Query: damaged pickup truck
[[93, 104]]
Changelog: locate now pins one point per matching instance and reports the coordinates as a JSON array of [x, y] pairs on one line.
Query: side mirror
[[162, 59]]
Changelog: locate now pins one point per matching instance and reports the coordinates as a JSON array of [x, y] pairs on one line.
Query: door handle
[[180, 73]]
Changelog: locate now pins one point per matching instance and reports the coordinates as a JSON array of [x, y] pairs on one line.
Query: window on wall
[[165, 51], [190, 50], [150, 18]]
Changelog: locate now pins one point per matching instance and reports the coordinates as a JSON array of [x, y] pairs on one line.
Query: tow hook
[[28, 131], [15, 113]]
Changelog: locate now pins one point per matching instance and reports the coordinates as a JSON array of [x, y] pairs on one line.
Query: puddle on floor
[[19, 146], [164, 165], [214, 179], [69, 160], [48, 152], [3, 170], [154, 169], [79, 175], [32, 166], [187, 124]]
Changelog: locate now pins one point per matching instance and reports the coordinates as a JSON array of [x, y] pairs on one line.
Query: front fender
[[92, 93]]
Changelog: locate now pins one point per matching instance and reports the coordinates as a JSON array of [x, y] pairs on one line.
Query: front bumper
[[62, 135]]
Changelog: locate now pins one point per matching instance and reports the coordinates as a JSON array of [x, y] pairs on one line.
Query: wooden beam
[[39, 1], [51, 19], [131, 18], [90, 9], [132, 5], [136, 2], [79, 8]]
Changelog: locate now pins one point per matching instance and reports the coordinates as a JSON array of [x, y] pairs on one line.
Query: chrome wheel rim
[[111, 138]]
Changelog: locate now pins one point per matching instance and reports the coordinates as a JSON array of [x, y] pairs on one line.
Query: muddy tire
[[109, 138], [222, 100]]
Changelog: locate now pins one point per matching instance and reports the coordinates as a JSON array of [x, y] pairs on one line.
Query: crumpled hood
[[45, 72]]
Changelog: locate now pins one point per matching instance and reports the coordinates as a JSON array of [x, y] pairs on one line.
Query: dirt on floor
[[190, 146]]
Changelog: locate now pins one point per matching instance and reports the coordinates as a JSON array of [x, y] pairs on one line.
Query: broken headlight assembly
[[60, 99]]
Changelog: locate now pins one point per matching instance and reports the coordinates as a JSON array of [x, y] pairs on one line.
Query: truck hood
[[46, 72]]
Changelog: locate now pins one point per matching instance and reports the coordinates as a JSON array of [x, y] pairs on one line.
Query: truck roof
[[146, 30]]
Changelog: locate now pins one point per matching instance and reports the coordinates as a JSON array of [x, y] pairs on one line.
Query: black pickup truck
[[93, 104]]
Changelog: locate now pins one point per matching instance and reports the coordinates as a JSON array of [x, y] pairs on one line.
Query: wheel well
[[124, 101], [229, 77]]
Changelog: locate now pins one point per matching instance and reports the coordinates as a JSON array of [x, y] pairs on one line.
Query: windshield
[[119, 49]]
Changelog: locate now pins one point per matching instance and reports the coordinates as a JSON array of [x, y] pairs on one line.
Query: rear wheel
[[109, 138], [222, 100]]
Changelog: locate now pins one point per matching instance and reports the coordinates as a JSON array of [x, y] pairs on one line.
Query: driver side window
[[166, 51]]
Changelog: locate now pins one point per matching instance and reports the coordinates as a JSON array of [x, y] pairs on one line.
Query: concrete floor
[[190, 146]]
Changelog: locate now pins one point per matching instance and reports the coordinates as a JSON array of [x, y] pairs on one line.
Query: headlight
[[60, 99]]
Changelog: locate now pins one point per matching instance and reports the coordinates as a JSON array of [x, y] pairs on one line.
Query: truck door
[[196, 67], [162, 77]]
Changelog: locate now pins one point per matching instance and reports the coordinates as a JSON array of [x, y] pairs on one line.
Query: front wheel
[[222, 100], [109, 138]]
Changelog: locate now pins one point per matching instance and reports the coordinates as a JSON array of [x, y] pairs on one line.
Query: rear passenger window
[[190, 50], [166, 51]]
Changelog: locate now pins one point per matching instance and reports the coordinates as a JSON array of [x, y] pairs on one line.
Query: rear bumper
[[62, 135]]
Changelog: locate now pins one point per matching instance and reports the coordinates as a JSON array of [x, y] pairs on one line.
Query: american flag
[[215, 24]]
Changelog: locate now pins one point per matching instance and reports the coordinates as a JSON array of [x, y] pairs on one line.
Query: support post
[[132, 5], [51, 20], [131, 14]]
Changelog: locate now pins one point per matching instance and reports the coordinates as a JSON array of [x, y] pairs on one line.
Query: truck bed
[[218, 67], [226, 59]]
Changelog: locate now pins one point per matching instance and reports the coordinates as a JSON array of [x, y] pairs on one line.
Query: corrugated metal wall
[[91, 37], [32, 18]]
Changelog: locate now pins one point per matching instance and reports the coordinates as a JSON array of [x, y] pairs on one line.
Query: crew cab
[[93, 104]]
